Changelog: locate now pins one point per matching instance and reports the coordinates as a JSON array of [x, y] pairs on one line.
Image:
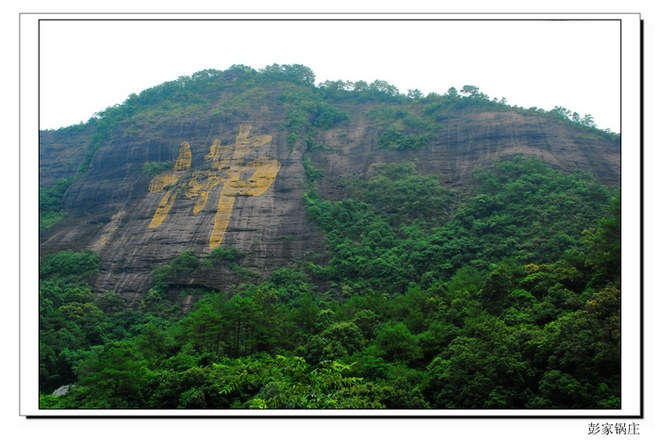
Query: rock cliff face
[[237, 182], [61, 152], [112, 208], [466, 141]]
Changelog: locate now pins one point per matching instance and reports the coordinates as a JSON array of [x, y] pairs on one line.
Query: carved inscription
[[227, 169]]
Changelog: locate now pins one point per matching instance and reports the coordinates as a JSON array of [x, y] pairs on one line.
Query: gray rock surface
[[111, 207]]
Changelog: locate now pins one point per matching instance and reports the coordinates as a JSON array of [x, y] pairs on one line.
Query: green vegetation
[[311, 172], [50, 203], [503, 294], [397, 231], [407, 121], [401, 195], [307, 111], [187, 263], [403, 128], [153, 168], [392, 139]]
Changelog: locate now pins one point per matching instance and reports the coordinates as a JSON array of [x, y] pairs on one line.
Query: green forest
[[503, 294]]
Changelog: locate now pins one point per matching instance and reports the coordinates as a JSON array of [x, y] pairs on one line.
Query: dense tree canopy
[[503, 295]]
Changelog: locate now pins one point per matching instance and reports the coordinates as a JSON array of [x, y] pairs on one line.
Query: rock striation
[[237, 181], [466, 141], [135, 222]]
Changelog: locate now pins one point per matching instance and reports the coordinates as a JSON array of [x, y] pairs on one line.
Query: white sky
[[86, 66]]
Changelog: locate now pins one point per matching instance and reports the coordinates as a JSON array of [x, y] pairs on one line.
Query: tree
[[307, 314], [398, 344], [68, 263], [384, 87], [368, 322], [110, 302], [268, 319], [582, 349], [240, 311], [483, 369], [295, 73], [293, 383], [495, 290], [116, 378], [154, 344], [561, 112], [469, 90], [415, 94], [452, 92], [339, 340], [588, 121], [604, 244]]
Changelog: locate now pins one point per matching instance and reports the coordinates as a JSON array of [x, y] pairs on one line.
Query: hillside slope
[[230, 155]]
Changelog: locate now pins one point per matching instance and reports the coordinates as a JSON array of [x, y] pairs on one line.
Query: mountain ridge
[[343, 130]]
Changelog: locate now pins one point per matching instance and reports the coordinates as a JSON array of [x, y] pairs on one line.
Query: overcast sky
[[86, 66]]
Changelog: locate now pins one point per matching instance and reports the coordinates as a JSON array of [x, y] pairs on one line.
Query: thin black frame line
[[291, 416], [641, 210], [332, 13], [20, 316], [340, 19], [388, 20]]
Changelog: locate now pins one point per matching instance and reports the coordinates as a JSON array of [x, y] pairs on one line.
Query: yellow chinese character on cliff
[[227, 169]]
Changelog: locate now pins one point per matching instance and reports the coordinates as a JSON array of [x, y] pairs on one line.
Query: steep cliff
[[230, 147], [113, 206], [465, 141]]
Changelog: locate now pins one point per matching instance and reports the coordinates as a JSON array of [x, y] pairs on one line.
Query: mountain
[[249, 239], [222, 159]]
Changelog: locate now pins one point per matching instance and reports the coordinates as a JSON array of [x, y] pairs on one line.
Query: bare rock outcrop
[[237, 182]]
